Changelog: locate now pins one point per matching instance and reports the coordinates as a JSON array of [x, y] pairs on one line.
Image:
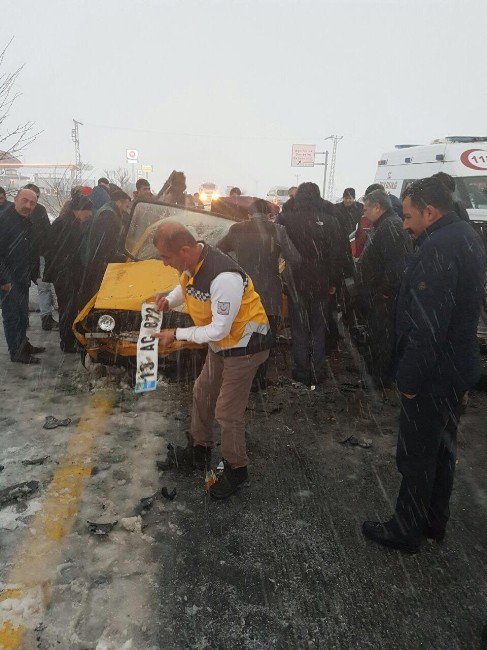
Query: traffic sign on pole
[[132, 156], [303, 155]]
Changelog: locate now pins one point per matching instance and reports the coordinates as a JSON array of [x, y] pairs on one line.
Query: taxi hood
[[127, 285]]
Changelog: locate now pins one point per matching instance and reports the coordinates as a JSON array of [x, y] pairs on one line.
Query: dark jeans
[[260, 378], [426, 455], [68, 296], [307, 317], [15, 315]]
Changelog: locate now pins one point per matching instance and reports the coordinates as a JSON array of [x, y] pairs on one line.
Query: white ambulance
[[463, 157]]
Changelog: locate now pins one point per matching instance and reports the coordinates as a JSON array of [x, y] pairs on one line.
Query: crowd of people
[[404, 278]]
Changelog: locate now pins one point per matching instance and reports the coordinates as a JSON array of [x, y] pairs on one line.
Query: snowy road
[[282, 565]]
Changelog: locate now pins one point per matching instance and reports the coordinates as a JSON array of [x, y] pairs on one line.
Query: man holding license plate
[[230, 319]]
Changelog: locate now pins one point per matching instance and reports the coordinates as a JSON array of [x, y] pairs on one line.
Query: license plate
[[147, 357]]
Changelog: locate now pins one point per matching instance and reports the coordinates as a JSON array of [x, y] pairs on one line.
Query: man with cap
[[348, 212], [229, 318]]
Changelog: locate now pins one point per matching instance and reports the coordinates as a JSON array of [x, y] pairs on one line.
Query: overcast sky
[[221, 89]]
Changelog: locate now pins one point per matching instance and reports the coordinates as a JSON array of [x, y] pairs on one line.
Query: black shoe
[[48, 323], [25, 357], [187, 458], [32, 349], [437, 534], [385, 534], [228, 482]]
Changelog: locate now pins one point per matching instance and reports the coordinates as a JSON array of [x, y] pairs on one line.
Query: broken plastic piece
[[101, 528], [17, 492], [170, 496], [52, 422], [35, 461]]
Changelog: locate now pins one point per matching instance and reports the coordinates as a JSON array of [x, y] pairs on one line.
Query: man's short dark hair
[[80, 202], [141, 182], [235, 191], [349, 191], [33, 187], [446, 179], [2, 191], [374, 186], [174, 240], [260, 206], [103, 181], [379, 197], [119, 195], [429, 191]]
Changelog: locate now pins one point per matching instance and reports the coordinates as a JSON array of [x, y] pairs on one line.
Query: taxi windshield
[[146, 217]]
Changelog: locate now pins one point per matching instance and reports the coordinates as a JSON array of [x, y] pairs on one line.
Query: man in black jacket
[[379, 274], [40, 232], [4, 202], [63, 265], [102, 242], [437, 361], [348, 212], [313, 230], [19, 266]]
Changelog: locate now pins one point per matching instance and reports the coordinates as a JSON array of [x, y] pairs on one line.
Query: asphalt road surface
[[281, 565]]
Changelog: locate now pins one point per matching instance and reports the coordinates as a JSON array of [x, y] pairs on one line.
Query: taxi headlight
[[106, 323]]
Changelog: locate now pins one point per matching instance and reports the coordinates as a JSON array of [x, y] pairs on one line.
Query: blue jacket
[[438, 311], [19, 255]]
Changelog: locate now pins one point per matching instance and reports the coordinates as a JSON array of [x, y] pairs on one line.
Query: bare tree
[[120, 177], [13, 138]]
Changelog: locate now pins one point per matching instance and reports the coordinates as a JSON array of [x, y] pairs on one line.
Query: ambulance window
[[406, 184], [475, 188]]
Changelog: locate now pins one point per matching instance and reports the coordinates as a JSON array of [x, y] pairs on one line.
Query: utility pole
[[77, 154], [331, 182]]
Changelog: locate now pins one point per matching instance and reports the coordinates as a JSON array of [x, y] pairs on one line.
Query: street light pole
[[325, 172]]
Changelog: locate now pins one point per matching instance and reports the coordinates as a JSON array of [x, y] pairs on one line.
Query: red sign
[[475, 159]]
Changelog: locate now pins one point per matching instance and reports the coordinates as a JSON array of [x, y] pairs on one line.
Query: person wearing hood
[[258, 245], [63, 265], [313, 230], [99, 195], [102, 243], [379, 272]]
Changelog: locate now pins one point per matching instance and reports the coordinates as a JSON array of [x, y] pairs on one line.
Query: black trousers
[[426, 456], [378, 316], [68, 297]]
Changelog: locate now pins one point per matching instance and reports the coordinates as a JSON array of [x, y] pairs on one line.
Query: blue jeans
[[307, 318], [15, 315]]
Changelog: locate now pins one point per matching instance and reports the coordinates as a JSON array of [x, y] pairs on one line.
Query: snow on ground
[[282, 565]]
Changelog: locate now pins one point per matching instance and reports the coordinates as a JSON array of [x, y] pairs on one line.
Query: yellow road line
[[29, 581]]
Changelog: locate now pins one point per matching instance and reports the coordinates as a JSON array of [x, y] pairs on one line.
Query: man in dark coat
[[63, 265], [378, 277], [395, 202], [314, 232], [258, 244], [4, 202], [348, 212], [19, 266], [437, 361], [40, 232], [102, 243]]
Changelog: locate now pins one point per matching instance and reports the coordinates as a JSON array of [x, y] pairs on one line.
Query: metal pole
[[324, 173]]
